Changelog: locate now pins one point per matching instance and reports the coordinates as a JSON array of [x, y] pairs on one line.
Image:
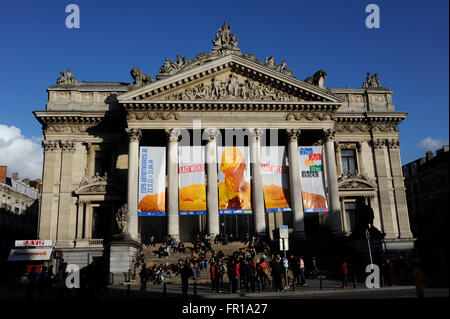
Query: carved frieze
[[352, 128], [308, 116], [86, 180], [156, 115], [384, 128]]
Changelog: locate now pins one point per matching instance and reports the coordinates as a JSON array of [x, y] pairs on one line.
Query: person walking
[[344, 268], [302, 271], [250, 275], [143, 274], [32, 280], [186, 272], [277, 275]]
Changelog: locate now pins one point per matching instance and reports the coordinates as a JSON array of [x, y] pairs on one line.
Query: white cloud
[[20, 154], [430, 144]]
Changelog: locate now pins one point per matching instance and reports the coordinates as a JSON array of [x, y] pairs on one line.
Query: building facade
[[19, 212], [93, 132], [427, 193]]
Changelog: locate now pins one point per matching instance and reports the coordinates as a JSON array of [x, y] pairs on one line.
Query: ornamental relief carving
[[231, 86], [352, 128], [308, 116], [385, 128], [145, 115], [65, 128]]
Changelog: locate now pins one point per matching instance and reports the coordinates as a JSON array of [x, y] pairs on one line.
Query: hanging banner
[[313, 184], [275, 179], [192, 195], [152, 181], [234, 180]]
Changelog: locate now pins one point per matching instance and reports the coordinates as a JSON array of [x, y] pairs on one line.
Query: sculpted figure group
[[372, 81], [66, 78], [232, 88]]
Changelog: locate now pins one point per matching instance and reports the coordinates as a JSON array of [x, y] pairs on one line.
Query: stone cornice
[[45, 117], [223, 105]]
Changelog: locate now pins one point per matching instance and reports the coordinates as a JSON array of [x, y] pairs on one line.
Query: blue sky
[[410, 51]]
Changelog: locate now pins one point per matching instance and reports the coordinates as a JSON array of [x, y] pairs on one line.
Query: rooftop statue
[[66, 78], [372, 81], [140, 77], [225, 41], [317, 79]]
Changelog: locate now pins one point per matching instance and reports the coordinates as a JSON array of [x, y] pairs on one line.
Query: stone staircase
[[151, 258]]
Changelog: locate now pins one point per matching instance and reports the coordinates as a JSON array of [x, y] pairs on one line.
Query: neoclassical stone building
[[93, 131]]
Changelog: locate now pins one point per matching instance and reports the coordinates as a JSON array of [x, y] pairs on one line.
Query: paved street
[[331, 290]]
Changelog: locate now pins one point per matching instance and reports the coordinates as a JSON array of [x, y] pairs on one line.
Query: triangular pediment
[[229, 78]]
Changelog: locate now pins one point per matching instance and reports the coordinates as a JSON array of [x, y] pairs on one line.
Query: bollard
[[195, 288], [229, 287], [259, 285], [128, 292], [354, 281], [164, 290], [293, 284], [321, 282]]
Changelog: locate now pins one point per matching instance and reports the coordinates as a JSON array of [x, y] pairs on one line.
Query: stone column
[[295, 183], [212, 196], [173, 222], [80, 219], [134, 136], [381, 169], [337, 148], [91, 159], [65, 216], [257, 185], [48, 213], [88, 221], [399, 189], [335, 220]]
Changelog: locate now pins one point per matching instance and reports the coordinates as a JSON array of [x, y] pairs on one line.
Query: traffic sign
[[284, 231]]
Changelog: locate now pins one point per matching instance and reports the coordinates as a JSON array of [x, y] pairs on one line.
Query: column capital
[[379, 143], [329, 134], [256, 133], [68, 146], [393, 143], [134, 134], [51, 146], [293, 134], [211, 133], [173, 135]]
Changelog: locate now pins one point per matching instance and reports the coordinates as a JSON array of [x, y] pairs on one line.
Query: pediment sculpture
[[232, 88]]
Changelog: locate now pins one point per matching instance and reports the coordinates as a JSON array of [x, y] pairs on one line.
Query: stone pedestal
[[121, 259]]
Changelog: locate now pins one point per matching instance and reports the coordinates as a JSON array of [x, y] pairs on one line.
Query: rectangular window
[[350, 211], [348, 161]]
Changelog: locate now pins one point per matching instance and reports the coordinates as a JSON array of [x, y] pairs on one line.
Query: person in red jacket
[[344, 275], [212, 271]]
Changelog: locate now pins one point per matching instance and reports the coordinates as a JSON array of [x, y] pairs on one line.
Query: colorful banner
[[234, 180], [313, 184], [152, 181], [275, 179], [192, 195]]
